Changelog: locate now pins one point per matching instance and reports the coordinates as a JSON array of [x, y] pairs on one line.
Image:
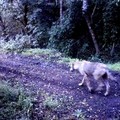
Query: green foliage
[[65, 36], [60, 35], [104, 21], [18, 44], [111, 25], [11, 19], [95, 58], [13, 103], [8, 93], [79, 114], [114, 66], [40, 20], [51, 102], [41, 35]]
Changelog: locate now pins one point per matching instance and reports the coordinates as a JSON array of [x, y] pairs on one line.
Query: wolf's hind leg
[[100, 85], [88, 84], [107, 88]]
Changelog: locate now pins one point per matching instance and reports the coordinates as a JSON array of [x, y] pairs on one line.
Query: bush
[[41, 35], [13, 103], [70, 38], [17, 44], [111, 24]]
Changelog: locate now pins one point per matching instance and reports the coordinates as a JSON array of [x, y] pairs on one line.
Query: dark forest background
[[78, 28]]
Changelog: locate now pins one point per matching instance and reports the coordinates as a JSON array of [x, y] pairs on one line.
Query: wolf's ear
[[70, 63], [71, 66], [77, 60]]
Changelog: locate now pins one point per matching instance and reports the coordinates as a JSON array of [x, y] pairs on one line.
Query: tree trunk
[[92, 35], [56, 2], [61, 11], [86, 16], [25, 10], [112, 50]]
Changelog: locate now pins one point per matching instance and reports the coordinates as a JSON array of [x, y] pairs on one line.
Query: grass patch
[[114, 66], [66, 60], [52, 54], [47, 54], [38, 51]]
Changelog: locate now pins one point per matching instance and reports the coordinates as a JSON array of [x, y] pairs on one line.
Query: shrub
[[17, 44], [13, 103]]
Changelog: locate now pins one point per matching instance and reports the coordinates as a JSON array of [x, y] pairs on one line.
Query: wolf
[[98, 71]]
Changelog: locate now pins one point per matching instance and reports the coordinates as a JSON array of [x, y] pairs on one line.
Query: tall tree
[[61, 11], [88, 21]]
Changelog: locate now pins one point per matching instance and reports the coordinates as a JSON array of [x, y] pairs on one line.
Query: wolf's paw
[[92, 91], [80, 84], [106, 94]]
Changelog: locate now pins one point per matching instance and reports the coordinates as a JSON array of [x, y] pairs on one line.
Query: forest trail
[[38, 74]]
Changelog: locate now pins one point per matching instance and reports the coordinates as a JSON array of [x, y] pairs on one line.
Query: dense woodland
[[78, 28]]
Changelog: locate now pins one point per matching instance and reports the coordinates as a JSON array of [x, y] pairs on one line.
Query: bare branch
[[93, 12]]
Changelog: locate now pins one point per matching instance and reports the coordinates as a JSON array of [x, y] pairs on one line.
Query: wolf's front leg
[[83, 80]]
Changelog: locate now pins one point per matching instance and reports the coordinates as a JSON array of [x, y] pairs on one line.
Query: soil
[[37, 74]]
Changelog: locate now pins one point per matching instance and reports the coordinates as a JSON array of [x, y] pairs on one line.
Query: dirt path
[[37, 74]]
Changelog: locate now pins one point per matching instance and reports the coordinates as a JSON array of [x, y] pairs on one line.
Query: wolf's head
[[74, 65]]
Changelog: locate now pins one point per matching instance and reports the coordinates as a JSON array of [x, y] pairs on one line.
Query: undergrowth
[[14, 105]]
